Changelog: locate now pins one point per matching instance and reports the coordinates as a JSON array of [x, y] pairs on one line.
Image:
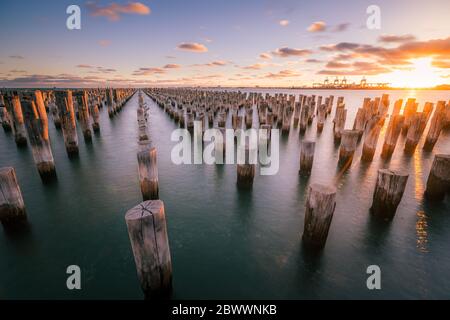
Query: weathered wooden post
[[297, 109], [83, 114], [339, 122], [371, 138], [54, 112], [36, 123], [68, 124], [12, 207], [245, 169], [248, 118], [147, 231], [322, 112], [320, 206], [438, 183], [392, 133], [306, 157], [110, 102], [388, 193], [4, 116], [18, 127], [409, 112], [95, 114], [436, 125], [349, 140], [360, 122], [416, 126], [304, 116], [148, 174]]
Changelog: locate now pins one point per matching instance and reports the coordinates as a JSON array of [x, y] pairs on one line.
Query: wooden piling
[[371, 138], [64, 103], [306, 157], [4, 115], [436, 126], [12, 207], [320, 206], [36, 124], [392, 133], [18, 126], [147, 230], [246, 170], [388, 193], [83, 114], [148, 174], [349, 140], [438, 183], [322, 112], [416, 126], [339, 122]]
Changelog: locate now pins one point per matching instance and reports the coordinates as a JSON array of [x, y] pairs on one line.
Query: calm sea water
[[225, 242]]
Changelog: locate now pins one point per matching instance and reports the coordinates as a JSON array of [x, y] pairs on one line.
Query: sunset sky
[[228, 43]]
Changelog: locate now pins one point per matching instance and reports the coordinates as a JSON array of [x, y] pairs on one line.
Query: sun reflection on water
[[421, 232]]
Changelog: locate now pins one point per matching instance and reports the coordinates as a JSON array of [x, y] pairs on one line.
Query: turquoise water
[[225, 242]]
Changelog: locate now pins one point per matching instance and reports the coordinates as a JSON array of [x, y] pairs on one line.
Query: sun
[[420, 75]]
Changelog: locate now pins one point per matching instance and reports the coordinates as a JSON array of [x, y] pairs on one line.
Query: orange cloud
[[283, 23], [317, 26], [265, 56], [192, 46], [113, 11]]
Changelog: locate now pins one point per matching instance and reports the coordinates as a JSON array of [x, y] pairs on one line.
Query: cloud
[[443, 64], [172, 66], [436, 48], [148, 71], [17, 71], [341, 27], [389, 38], [217, 63], [288, 52], [337, 65], [282, 74], [265, 55], [356, 68], [284, 23], [113, 11], [85, 66], [38, 80], [18, 57], [104, 43], [256, 66], [313, 61], [171, 57], [317, 26], [192, 46], [106, 70]]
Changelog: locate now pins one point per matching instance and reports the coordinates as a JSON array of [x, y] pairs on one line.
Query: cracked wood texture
[[147, 230], [388, 193], [438, 183], [12, 207], [320, 206]]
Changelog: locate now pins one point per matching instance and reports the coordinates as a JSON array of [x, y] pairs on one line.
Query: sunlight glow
[[421, 75]]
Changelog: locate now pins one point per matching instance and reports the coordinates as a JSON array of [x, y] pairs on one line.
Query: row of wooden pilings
[[186, 105], [146, 222], [25, 113]]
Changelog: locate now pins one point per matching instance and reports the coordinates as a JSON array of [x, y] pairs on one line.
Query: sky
[[223, 43]]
